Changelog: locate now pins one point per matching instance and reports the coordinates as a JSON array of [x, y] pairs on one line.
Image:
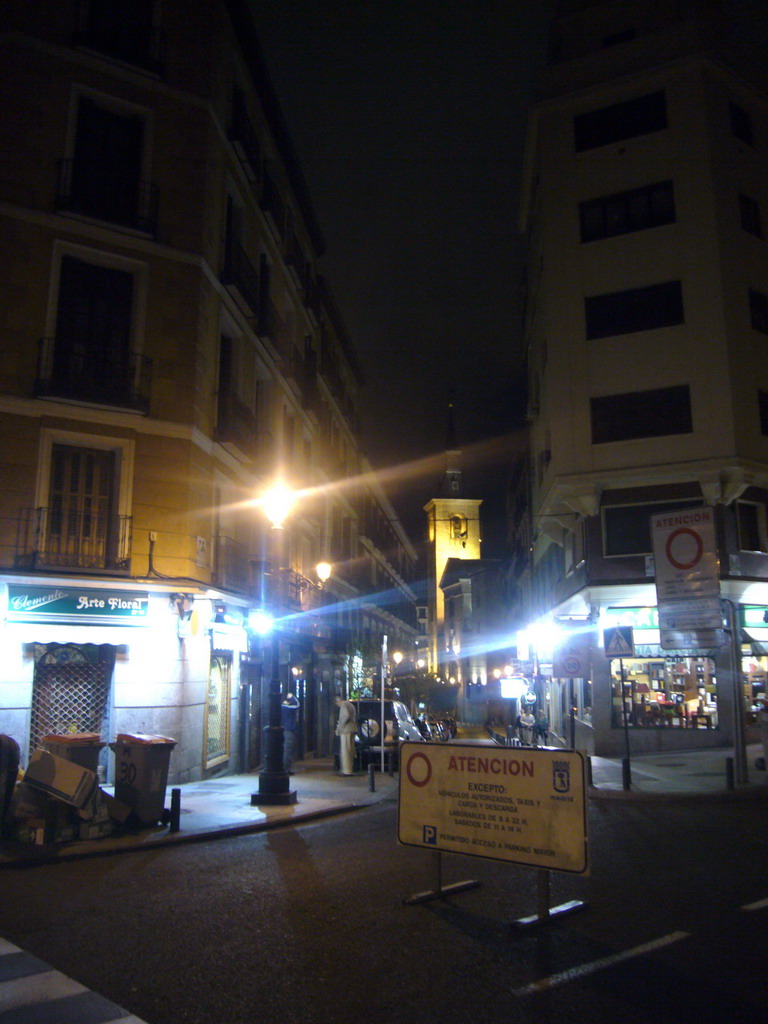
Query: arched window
[[458, 525]]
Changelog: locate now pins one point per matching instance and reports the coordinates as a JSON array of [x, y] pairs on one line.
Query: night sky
[[408, 119]]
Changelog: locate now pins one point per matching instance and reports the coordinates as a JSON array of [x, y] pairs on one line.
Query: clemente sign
[[526, 806]]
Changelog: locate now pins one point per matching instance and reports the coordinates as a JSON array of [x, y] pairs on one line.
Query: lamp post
[[274, 781]]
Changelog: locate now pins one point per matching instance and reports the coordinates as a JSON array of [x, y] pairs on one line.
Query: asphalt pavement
[[219, 807]]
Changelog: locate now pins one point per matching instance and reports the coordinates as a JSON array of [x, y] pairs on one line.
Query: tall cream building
[[168, 346], [645, 203]]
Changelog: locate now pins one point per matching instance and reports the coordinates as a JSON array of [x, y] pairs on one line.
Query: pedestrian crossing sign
[[619, 642]]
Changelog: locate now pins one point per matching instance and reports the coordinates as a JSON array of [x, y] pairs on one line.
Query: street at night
[[307, 924]]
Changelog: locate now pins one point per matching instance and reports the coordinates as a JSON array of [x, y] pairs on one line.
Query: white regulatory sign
[[685, 554], [524, 805]]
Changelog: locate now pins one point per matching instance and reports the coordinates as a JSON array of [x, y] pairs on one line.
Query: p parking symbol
[[429, 835]]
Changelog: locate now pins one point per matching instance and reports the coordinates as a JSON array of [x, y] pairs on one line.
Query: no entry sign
[[685, 554]]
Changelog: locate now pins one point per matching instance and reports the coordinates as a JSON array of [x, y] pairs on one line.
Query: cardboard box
[[60, 778]]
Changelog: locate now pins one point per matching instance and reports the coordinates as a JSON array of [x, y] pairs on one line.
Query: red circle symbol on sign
[[685, 559], [422, 773]]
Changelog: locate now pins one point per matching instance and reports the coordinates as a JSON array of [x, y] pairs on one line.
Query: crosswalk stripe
[[32, 992]]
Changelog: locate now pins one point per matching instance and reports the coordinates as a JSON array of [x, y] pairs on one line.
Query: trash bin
[[9, 769], [81, 748], [141, 773]]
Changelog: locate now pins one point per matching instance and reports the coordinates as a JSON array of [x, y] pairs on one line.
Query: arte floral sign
[[65, 604]]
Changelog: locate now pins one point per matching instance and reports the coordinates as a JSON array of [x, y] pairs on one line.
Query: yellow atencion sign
[[518, 804]]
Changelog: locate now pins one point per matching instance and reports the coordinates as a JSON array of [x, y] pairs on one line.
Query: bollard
[[392, 764], [371, 779], [626, 774], [590, 781], [175, 810], [729, 774]]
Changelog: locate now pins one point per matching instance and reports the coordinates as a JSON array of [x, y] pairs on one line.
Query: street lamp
[[274, 781]]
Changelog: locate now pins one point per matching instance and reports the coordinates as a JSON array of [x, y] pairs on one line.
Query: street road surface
[[307, 925]]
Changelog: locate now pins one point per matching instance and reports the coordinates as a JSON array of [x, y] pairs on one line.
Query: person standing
[[527, 722], [541, 731], [346, 727], [289, 719]]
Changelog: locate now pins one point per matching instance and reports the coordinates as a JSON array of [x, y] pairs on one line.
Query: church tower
[[453, 531]]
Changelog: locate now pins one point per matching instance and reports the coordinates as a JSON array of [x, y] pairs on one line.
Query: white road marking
[[759, 905], [575, 973]]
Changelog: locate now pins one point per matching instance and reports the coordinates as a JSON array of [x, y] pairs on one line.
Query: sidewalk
[[687, 774], [219, 807]]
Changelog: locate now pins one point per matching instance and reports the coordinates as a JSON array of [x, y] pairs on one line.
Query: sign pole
[[627, 775], [440, 890], [383, 696], [739, 737], [544, 912]]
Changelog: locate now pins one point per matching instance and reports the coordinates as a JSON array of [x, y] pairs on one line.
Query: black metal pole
[[573, 714], [739, 725], [274, 781], [626, 767]]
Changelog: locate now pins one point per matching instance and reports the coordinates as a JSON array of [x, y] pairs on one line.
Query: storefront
[[107, 660], [664, 699]]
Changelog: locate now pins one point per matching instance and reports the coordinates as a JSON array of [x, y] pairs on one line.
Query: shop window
[[758, 310], [639, 414], [750, 521], [624, 212], [664, 693], [749, 213], [637, 309], [741, 124], [638, 116], [70, 692], [627, 528]]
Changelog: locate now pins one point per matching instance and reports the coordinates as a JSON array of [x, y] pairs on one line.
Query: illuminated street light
[[323, 570], [274, 781], [278, 503]]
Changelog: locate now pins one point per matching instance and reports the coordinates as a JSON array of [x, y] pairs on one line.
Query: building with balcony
[[170, 346], [643, 203]]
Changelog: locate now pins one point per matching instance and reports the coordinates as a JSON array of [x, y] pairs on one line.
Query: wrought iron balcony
[[243, 137], [231, 568], [280, 590], [241, 278], [70, 539], [92, 373], [96, 191], [101, 28], [272, 204], [236, 424]]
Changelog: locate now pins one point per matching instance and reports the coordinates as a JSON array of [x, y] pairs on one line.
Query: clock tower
[[453, 531]]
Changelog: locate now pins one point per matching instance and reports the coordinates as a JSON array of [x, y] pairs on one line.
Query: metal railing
[[231, 568], [240, 274], [90, 372], [73, 539]]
